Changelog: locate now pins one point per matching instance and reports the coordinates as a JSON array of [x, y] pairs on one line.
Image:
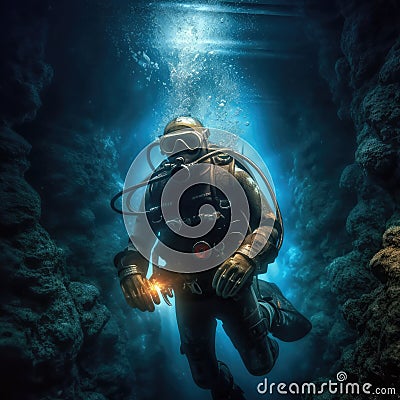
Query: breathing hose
[[131, 190]]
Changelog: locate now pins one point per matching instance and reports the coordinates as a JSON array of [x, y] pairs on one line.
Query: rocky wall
[[363, 75], [62, 334]]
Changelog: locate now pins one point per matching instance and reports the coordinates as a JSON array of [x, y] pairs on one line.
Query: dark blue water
[[87, 84], [122, 72], [233, 67]]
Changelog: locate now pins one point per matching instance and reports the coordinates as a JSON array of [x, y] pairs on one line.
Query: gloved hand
[[166, 292], [232, 276], [138, 291]]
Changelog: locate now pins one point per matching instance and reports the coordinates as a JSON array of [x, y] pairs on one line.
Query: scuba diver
[[225, 287]]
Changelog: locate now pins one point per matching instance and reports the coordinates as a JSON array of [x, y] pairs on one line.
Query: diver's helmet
[[184, 134], [180, 123]]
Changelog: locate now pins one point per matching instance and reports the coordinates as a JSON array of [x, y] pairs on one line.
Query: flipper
[[226, 388], [287, 323]]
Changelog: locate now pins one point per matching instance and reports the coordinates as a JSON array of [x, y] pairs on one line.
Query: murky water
[[232, 66]]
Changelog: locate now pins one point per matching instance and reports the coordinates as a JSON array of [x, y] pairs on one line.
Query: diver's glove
[[138, 291], [233, 275], [160, 281]]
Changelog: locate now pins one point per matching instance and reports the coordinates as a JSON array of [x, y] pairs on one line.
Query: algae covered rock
[[365, 223], [376, 157], [386, 263], [390, 71], [352, 178], [382, 105], [93, 315], [376, 317], [348, 276], [391, 237]]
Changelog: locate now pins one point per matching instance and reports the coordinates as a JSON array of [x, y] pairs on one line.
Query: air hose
[[131, 190]]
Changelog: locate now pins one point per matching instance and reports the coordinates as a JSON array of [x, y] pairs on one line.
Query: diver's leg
[[287, 323], [248, 328], [225, 388], [197, 326]]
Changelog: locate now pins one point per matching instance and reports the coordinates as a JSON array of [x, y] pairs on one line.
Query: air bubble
[[146, 57]]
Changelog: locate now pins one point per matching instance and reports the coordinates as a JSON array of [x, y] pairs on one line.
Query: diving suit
[[251, 310]]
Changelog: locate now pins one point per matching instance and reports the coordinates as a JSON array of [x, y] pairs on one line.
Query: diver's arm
[[137, 289], [258, 249], [131, 256], [261, 245], [132, 269]]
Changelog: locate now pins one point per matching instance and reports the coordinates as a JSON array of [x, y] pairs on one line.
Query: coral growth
[[376, 317]]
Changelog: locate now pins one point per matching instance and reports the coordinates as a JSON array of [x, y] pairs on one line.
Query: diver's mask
[[183, 140]]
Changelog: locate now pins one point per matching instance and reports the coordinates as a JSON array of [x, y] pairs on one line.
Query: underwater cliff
[[85, 85], [364, 80]]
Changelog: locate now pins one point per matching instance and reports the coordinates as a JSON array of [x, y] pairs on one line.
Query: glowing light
[[156, 286], [190, 28]]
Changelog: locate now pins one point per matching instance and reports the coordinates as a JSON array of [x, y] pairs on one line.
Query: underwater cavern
[[313, 86]]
